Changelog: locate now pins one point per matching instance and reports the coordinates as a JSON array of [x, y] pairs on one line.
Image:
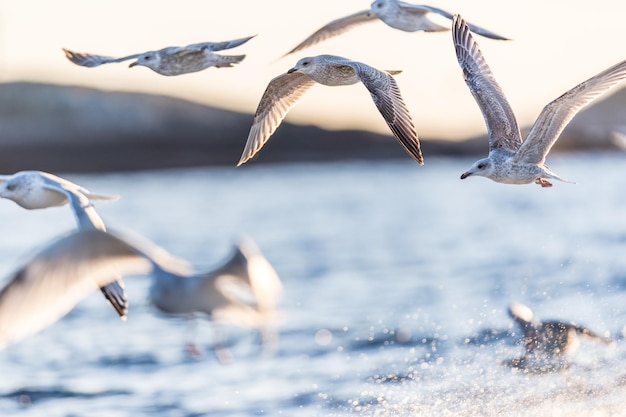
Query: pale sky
[[557, 44]]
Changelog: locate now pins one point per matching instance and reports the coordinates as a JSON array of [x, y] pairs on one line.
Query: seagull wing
[[248, 289], [279, 97], [84, 211], [62, 182], [334, 28], [557, 114], [386, 95], [264, 281], [49, 285], [91, 60], [246, 277], [499, 117], [218, 46], [421, 9]]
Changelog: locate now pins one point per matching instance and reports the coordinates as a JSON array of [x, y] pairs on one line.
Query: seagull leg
[[543, 183], [221, 351], [190, 347]]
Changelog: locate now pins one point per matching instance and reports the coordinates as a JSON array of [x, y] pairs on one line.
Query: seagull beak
[[132, 64], [292, 70], [465, 175]]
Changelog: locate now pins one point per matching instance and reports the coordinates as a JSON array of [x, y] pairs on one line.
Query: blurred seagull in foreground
[[510, 160], [397, 14], [38, 190], [243, 291], [547, 340], [285, 90], [173, 60]]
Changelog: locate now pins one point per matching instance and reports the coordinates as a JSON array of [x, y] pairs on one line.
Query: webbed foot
[[543, 183]]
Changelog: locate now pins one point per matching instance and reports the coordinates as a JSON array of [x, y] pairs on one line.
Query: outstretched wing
[[386, 95], [218, 46], [279, 97], [557, 114], [49, 285], [91, 60], [334, 28], [413, 8], [499, 118]]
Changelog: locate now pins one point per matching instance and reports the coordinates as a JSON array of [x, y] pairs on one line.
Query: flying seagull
[[510, 160], [285, 90], [38, 190], [58, 277], [397, 14], [173, 60]]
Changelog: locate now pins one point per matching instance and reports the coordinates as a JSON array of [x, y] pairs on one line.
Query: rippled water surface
[[397, 280]]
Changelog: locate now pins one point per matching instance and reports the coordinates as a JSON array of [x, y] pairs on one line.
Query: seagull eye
[[11, 187], [147, 58], [480, 166]]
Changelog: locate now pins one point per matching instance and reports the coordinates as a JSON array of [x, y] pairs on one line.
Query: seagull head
[[482, 167], [521, 312], [18, 188], [148, 59], [380, 7], [29, 190], [304, 65]]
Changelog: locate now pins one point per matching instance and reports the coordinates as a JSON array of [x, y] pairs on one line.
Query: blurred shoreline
[[76, 129]]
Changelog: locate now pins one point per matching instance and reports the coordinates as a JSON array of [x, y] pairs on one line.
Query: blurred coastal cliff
[[76, 129]]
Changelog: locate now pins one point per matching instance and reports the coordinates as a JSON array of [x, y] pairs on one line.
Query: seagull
[[243, 291], [397, 14], [173, 60], [510, 160], [547, 340], [283, 92], [38, 190]]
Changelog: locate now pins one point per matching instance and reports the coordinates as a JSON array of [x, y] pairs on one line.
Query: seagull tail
[[227, 61], [558, 178], [585, 332]]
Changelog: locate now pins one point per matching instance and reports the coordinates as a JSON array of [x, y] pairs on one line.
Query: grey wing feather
[[91, 60], [501, 124], [386, 95], [476, 29], [279, 97], [49, 285], [219, 46], [334, 28], [558, 113]]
